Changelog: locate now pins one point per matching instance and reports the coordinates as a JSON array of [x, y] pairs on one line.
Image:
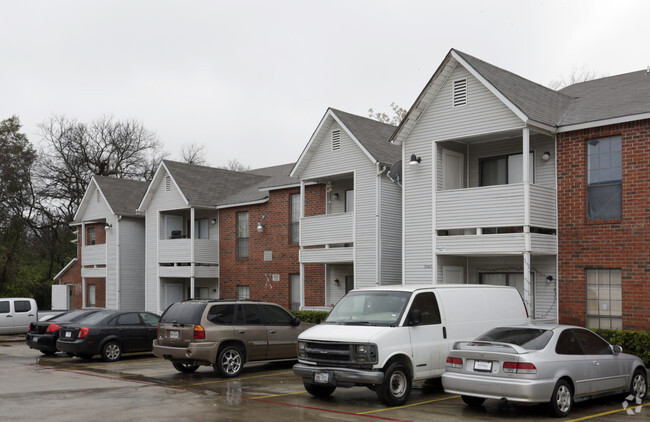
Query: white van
[[387, 337], [16, 313]]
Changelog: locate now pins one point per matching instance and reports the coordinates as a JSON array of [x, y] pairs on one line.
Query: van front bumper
[[336, 376]]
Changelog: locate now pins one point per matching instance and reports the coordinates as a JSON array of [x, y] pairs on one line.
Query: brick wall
[[607, 244], [254, 271]]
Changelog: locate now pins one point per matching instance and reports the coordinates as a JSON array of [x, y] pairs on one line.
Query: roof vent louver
[[460, 93], [336, 140], [168, 183]]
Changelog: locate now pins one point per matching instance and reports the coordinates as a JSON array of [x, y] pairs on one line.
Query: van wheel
[[561, 400], [186, 368], [639, 385], [473, 401], [395, 389], [321, 391], [230, 361]]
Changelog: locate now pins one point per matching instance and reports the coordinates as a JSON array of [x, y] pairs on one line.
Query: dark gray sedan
[[542, 364]]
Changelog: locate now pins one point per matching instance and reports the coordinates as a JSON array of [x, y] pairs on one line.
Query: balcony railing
[[327, 255], [327, 229], [93, 255], [494, 206], [179, 250]]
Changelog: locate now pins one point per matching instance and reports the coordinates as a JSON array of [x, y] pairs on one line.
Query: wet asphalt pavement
[[141, 387]]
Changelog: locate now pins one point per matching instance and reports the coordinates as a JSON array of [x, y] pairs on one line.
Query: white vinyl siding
[[390, 233], [132, 264]]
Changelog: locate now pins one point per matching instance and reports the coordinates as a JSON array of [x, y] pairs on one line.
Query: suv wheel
[[230, 361], [184, 367]]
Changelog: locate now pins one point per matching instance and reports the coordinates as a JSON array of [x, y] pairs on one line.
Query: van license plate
[[483, 366], [173, 334], [321, 377]]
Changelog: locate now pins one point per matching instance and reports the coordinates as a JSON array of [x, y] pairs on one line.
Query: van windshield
[[369, 308]]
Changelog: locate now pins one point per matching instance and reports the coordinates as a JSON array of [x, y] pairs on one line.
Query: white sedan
[[542, 364]]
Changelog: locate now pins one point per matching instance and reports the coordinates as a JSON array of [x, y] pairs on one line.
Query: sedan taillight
[[83, 332], [454, 362], [199, 332], [519, 368], [52, 328]]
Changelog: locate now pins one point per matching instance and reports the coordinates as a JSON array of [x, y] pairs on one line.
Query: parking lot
[[143, 387]]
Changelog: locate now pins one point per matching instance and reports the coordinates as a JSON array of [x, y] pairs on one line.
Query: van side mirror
[[415, 317]]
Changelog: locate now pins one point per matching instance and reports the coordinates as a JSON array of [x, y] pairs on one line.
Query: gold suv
[[226, 334]]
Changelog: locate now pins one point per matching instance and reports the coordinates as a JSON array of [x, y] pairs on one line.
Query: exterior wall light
[[415, 160], [546, 156]]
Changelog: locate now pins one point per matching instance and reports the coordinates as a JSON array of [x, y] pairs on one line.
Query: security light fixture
[[415, 160], [546, 156]]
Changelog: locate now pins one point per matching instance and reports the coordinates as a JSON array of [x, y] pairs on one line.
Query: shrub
[[315, 317], [633, 342]]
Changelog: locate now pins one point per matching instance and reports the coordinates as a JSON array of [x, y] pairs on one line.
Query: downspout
[[192, 260], [83, 279], [117, 262], [380, 170]]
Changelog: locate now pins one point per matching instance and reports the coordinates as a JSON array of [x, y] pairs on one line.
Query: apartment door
[[452, 170], [173, 293]]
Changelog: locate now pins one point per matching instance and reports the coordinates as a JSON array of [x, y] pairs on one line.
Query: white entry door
[[173, 293], [452, 170]]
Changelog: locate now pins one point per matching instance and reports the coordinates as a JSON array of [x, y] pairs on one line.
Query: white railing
[[326, 255], [93, 255], [327, 229]]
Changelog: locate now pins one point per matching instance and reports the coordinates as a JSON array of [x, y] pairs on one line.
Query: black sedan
[[42, 335], [109, 333]]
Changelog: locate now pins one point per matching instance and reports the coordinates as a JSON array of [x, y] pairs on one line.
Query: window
[[221, 314], [294, 219], [349, 200], [349, 283], [243, 292], [592, 344], [427, 304], [150, 320], [295, 291], [4, 307], [604, 298], [22, 306], [251, 314], [505, 170], [91, 295], [90, 236], [604, 178], [129, 319], [242, 234], [201, 228], [274, 315]]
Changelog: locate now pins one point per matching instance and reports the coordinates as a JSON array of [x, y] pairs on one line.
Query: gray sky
[[251, 80]]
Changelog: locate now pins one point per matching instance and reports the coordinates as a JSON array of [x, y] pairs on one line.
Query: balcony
[[494, 206], [327, 229], [206, 251], [93, 255], [327, 255]]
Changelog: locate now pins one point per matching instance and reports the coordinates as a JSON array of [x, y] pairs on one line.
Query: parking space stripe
[[611, 412], [278, 395], [407, 405]]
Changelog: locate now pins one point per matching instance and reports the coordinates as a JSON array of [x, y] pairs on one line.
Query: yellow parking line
[[229, 379], [277, 395], [608, 413], [408, 405]]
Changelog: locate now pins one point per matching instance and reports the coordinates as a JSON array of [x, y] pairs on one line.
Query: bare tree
[[235, 165], [576, 76], [75, 151], [398, 115], [194, 154]]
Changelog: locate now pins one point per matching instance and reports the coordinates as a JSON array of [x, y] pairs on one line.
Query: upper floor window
[[349, 200], [242, 234], [91, 238], [604, 178], [505, 169], [294, 219], [201, 228]]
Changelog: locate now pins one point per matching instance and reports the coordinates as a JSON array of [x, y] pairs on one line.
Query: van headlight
[[301, 349], [366, 353]]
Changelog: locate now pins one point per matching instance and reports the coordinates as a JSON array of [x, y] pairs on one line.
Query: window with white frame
[[604, 178], [294, 222], [604, 298], [242, 234], [91, 295], [243, 292]]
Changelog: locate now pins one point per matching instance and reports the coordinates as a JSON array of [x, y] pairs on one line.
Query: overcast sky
[[251, 80]]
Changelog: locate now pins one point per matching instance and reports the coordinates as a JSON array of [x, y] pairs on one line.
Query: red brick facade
[[73, 274], [606, 244], [254, 271]]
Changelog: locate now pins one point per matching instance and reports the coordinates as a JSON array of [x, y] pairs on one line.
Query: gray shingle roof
[[606, 98], [373, 135], [122, 195], [536, 101], [208, 186]]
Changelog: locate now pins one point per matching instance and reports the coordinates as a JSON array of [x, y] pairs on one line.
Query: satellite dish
[[395, 173]]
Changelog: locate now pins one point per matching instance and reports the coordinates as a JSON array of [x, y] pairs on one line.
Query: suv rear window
[[184, 313]]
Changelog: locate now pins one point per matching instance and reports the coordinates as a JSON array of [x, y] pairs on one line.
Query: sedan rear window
[[528, 338], [184, 313]]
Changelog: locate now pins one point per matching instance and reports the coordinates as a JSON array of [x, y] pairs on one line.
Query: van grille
[[328, 352]]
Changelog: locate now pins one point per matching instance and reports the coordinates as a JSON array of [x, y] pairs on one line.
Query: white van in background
[[16, 313], [387, 337]]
